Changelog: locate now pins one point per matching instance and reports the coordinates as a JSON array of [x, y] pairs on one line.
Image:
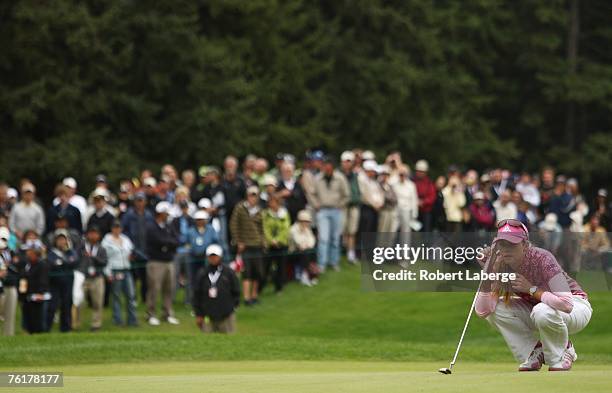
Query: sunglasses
[[513, 223]]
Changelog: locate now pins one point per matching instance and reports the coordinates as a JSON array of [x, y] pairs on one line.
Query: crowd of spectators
[[153, 234]]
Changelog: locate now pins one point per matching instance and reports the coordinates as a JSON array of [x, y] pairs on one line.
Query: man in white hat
[[372, 197], [216, 294], [427, 193], [74, 199]]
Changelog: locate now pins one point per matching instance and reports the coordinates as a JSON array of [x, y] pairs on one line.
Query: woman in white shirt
[[119, 251]]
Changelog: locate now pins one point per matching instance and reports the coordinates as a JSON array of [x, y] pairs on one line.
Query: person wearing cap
[[387, 217], [135, 223], [34, 284], [150, 191], [215, 192], [123, 202], [162, 242], [290, 190], [5, 203], [482, 213], [603, 209], [62, 259], [504, 207], [181, 225], [350, 214], [426, 192], [27, 214], [102, 183], [372, 198], [64, 208], [302, 242], [61, 222], [10, 271], [93, 264], [276, 224], [200, 236], [550, 233], [312, 166], [407, 203], [247, 233], [74, 199], [540, 308], [101, 214], [119, 249], [330, 197], [216, 294], [268, 184]]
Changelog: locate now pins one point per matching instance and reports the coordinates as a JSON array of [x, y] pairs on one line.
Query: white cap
[[69, 182], [4, 233], [204, 203], [368, 155], [150, 181], [162, 207], [370, 165], [485, 178], [12, 193], [100, 192], [252, 190], [214, 249], [347, 156], [478, 195], [304, 215], [201, 215], [269, 180], [28, 187], [421, 166]]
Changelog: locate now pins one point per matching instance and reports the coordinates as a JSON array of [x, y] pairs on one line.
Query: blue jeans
[[329, 225], [124, 286]]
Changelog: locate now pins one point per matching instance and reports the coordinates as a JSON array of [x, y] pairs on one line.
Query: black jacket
[[72, 214], [93, 266], [228, 293], [62, 265], [37, 276], [161, 242], [103, 222], [12, 266]]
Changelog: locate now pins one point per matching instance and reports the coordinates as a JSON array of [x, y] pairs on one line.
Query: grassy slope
[[335, 321]]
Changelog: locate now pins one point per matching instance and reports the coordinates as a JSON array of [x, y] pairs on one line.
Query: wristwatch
[[533, 290]]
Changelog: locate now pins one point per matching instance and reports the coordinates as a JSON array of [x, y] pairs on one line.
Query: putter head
[[445, 370]]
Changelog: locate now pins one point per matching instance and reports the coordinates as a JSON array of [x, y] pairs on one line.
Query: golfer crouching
[[216, 294], [538, 311]]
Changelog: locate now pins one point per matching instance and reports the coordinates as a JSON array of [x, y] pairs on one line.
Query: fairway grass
[[326, 376]]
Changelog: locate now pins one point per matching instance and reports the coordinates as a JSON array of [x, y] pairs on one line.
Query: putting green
[[323, 376]]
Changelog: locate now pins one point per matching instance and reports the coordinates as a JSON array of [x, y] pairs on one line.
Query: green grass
[[334, 335]]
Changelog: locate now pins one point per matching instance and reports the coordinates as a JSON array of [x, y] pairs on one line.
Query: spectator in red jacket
[[482, 212], [426, 192]]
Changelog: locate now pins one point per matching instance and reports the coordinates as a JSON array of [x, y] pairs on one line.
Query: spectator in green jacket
[[276, 224], [247, 234]]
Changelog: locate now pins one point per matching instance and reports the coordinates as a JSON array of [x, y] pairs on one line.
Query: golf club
[[448, 370]]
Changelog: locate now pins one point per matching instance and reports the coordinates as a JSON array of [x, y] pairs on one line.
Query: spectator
[[102, 184], [93, 263], [215, 192], [547, 187], [551, 233], [217, 295], [182, 204], [150, 190], [233, 185], [35, 286], [10, 271], [5, 203], [247, 233], [181, 225], [387, 217], [471, 185], [594, 244], [482, 213], [301, 245], [62, 259], [454, 202], [372, 198], [426, 191], [66, 209], [100, 213], [504, 207], [123, 199], [200, 236], [330, 196], [290, 190], [74, 199], [350, 215], [602, 208], [118, 249], [528, 190], [27, 214], [438, 214], [276, 224], [135, 223], [312, 166], [188, 179], [269, 184], [407, 203], [73, 235], [161, 246], [526, 215]]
